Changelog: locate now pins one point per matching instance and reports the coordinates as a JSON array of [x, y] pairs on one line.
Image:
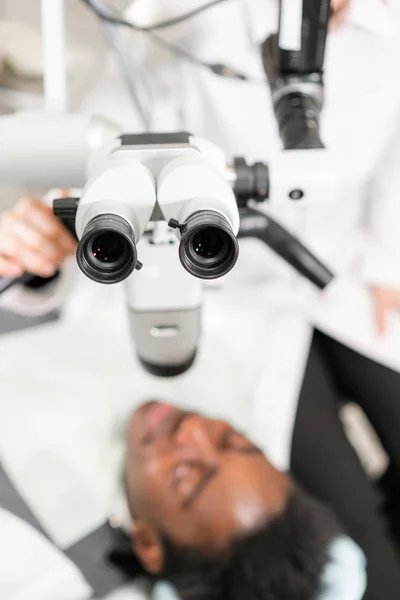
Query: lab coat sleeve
[[32, 568], [381, 260]]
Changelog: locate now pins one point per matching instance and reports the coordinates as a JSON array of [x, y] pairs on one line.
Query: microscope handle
[[65, 209], [27, 279], [258, 225], [6, 283]]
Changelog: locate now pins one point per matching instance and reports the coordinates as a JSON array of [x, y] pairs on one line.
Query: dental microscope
[[163, 212]]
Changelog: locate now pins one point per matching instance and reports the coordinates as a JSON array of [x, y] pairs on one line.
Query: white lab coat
[[258, 324], [357, 235]]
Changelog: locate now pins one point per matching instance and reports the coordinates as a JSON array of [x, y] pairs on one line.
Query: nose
[[194, 441]]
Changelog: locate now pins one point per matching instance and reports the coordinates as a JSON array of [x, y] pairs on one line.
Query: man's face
[[196, 480]]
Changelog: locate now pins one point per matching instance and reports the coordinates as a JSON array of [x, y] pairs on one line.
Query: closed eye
[[190, 478], [233, 440], [180, 473], [185, 475]]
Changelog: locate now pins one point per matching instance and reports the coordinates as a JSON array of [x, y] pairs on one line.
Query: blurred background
[[21, 83]]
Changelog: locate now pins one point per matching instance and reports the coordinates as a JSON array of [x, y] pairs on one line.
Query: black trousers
[[324, 462]]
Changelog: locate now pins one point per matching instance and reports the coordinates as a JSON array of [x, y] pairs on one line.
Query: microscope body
[[165, 305], [158, 213], [159, 177]]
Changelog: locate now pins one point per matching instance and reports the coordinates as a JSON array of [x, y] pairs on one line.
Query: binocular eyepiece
[[208, 247], [131, 188], [107, 250]]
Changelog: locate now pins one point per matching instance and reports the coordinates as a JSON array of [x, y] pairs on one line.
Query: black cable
[[218, 69], [161, 24], [186, 16], [109, 17], [178, 51]]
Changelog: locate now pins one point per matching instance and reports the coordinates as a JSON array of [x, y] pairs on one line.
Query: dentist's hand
[[32, 239], [339, 10], [386, 300]]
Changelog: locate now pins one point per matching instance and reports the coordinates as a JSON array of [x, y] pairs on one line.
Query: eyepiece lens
[[209, 243], [109, 248], [208, 248]]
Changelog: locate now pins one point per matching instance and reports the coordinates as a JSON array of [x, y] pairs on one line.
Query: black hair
[[283, 560]]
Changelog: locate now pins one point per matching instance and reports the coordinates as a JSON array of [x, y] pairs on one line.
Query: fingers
[[386, 300], [381, 313], [42, 219], [339, 11], [33, 239], [22, 236], [395, 299], [10, 269], [27, 259]]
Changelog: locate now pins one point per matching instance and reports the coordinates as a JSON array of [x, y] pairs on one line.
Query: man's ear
[[148, 547]]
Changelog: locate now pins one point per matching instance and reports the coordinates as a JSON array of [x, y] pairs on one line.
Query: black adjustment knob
[[65, 209], [252, 182], [244, 183], [261, 182], [174, 224]]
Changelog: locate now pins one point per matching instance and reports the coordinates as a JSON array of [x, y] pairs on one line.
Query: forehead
[[236, 495]]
